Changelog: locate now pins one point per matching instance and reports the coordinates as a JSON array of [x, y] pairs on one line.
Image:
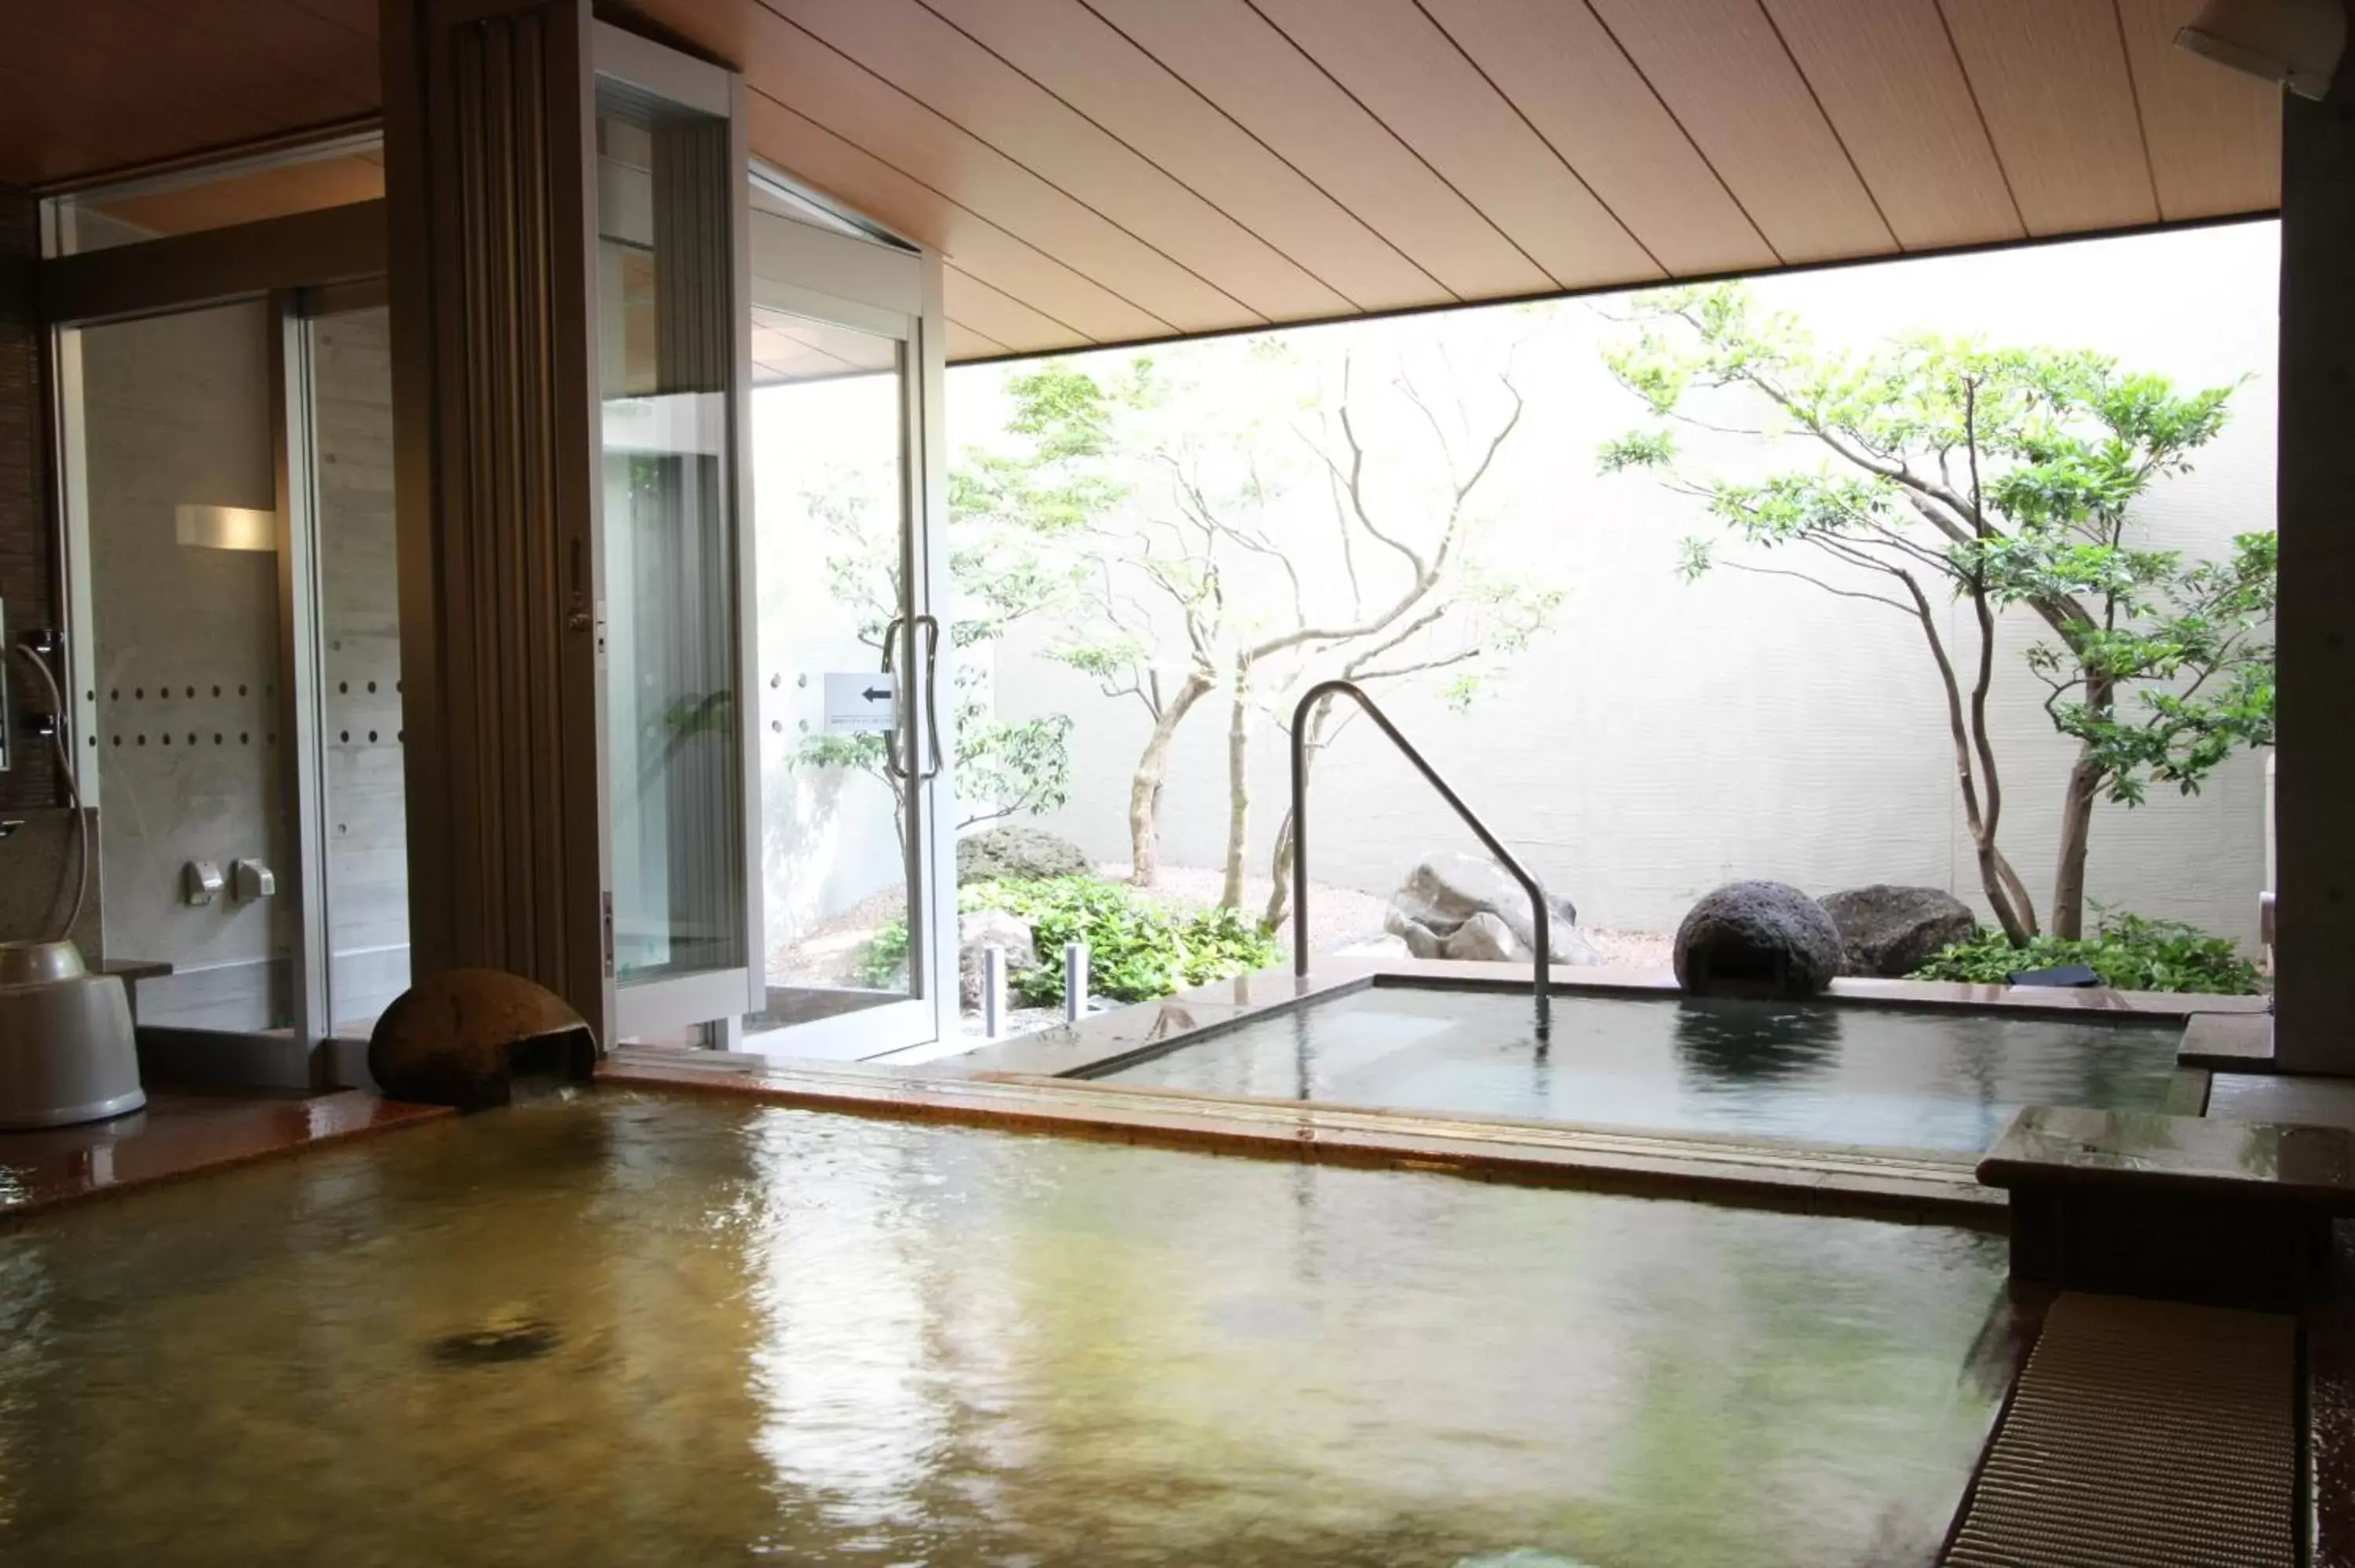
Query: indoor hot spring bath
[[618, 1328]]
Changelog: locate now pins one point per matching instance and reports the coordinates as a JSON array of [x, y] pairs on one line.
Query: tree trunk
[[1279, 900], [1152, 770], [2084, 786], [1230, 890], [2004, 896]]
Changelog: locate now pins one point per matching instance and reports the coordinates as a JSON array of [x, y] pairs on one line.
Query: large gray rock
[[1484, 937], [1890, 930], [1756, 939], [1018, 855], [1447, 893], [991, 928]]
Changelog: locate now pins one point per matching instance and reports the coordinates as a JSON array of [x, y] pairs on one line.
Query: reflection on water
[[756, 1332], [1850, 1076], [1755, 1042]]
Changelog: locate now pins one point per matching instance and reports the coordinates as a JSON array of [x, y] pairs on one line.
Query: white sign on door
[[861, 702]]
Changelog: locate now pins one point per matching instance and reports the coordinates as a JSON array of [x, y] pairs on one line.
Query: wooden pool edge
[[2232, 1029], [1919, 1188], [179, 1137]]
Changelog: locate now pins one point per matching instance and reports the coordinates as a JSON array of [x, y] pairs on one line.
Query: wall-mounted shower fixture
[[249, 880], [200, 883]]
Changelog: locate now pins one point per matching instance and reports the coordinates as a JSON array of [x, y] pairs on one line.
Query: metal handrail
[[1541, 913]]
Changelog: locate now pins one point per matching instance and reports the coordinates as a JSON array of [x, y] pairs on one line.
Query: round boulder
[[462, 1037], [1756, 939], [1018, 855], [1892, 931]]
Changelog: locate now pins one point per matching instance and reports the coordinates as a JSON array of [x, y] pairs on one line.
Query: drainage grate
[[2143, 1434]]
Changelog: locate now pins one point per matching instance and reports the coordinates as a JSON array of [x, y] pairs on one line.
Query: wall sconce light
[[2295, 43], [226, 527]]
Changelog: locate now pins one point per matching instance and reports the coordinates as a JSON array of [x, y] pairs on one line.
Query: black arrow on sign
[[874, 695]]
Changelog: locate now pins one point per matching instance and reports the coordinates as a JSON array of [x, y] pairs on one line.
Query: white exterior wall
[[1666, 736]]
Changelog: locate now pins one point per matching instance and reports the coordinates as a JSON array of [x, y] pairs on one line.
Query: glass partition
[[666, 351], [218, 195], [838, 878], [172, 481], [347, 357]]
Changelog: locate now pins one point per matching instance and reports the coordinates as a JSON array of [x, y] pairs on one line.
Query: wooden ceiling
[[1101, 171]]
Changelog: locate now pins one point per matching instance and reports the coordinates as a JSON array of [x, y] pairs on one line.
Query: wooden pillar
[[2315, 790], [489, 134]]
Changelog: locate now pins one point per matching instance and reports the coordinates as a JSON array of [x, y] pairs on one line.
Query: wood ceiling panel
[[964, 344], [1078, 306], [184, 45], [796, 68], [1230, 56], [1725, 74], [1559, 68], [927, 58], [75, 99], [294, 40], [2051, 76], [2214, 135], [1887, 77], [1390, 56], [1075, 55], [990, 311], [359, 15], [46, 130]]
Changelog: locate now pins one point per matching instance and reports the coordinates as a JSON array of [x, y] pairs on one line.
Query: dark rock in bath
[[1018, 855], [1892, 931], [462, 1037], [1756, 939]]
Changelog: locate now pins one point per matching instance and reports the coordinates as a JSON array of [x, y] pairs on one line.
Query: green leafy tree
[[1948, 471], [1002, 767], [1201, 579]]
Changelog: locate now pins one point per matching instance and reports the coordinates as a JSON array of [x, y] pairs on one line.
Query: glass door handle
[[891, 737], [932, 708]]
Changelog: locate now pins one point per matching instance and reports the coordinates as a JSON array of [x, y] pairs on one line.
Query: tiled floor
[[179, 1133]]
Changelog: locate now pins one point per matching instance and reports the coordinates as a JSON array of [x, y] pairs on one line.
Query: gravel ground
[[1337, 917]]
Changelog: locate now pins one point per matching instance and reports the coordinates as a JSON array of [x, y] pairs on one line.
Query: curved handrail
[[1540, 915]]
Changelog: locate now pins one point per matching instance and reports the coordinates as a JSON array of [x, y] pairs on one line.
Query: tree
[[1200, 574], [1003, 767], [1950, 471]]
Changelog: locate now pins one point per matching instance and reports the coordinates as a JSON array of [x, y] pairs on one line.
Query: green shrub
[[883, 961], [2128, 951], [1137, 949]]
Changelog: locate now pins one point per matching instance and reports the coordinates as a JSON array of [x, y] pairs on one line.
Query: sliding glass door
[[681, 922], [853, 746], [774, 762]]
